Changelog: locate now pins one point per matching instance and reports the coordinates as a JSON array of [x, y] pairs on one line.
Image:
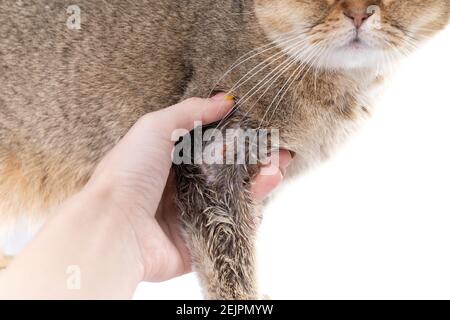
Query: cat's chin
[[354, 56]]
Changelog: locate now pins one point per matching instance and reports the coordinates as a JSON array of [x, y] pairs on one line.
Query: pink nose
[[358, 17]]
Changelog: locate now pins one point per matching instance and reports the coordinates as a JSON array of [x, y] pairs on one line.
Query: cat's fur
[[67, 96]]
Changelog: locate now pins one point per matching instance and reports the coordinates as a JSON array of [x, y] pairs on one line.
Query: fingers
[[184, 114], [264, 184]]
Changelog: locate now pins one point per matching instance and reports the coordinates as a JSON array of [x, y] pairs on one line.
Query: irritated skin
[[67, 96]]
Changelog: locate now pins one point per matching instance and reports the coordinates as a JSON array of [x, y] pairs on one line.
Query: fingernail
[[221, 96], [229, 97]]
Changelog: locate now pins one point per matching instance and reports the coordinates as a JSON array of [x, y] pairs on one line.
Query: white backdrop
[[374, 222]]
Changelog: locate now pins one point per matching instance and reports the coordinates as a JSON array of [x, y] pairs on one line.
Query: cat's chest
[[319, 131]]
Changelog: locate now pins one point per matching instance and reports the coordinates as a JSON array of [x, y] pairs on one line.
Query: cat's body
[[67, 96]]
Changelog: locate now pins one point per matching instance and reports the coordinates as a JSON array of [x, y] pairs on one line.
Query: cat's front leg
[[220, 221], [219, 213]]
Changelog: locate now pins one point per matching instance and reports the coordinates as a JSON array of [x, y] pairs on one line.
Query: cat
[[75, 78]]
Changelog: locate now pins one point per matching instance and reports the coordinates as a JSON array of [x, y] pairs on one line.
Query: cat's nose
[[358, 15]]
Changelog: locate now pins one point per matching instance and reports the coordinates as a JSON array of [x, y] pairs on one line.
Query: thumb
[[184, 114]]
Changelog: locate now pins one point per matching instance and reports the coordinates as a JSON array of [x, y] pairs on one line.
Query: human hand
[[136, 178]]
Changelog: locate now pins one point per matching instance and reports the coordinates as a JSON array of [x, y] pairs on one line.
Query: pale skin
[[122, 227]]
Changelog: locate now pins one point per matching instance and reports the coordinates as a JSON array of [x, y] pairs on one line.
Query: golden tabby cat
[[73, 79]]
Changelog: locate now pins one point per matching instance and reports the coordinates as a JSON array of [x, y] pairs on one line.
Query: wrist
[[159, 256], [115, 240]]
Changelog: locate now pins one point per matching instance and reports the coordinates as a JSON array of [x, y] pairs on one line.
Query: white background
[[374, 222]]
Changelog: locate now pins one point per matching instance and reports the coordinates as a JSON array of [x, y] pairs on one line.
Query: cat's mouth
[[356, 43]]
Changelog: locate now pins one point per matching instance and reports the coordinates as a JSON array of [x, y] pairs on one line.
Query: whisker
[[262, 67], [287, 62], [255, 89], [278, 75], [315, 55], [243, 98], [281, 73], [301, 66], [270, 46]]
